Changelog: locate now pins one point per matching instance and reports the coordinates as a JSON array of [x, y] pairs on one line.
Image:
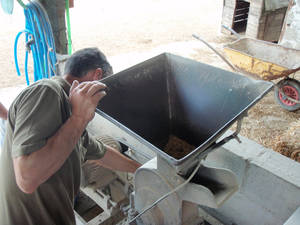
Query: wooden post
[[56, 13]]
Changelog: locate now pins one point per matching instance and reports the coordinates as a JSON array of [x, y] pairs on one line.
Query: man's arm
[[3, 112], [34, 169], [117, 161]]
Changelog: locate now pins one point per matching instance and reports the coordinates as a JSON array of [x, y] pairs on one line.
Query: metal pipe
[[219, 54]]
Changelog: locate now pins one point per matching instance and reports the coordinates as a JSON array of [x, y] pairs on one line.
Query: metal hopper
[[171, 96]]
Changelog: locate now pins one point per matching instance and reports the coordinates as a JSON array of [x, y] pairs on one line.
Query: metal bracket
[[238, 129], [232, 136]]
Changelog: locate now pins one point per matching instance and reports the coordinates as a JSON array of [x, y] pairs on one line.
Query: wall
[[269, 184], [291, 35]]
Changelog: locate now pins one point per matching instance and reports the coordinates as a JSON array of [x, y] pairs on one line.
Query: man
[[46, 143]]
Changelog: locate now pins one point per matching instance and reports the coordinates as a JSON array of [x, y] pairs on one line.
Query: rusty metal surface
[[284, 73], [262, 59]]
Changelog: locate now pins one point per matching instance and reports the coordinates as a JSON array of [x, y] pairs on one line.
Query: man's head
[[88, 63]]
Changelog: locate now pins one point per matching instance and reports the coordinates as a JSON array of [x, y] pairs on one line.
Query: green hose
[[22, 4], [68, 27]]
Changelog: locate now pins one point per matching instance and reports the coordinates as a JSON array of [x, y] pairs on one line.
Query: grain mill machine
[[171, 112]]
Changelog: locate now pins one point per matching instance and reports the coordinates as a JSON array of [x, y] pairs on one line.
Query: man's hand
[[84, 98]]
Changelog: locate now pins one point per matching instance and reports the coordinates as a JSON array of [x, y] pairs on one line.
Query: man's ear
[[98, 74]]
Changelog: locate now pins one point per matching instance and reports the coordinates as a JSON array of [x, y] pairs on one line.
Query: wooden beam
[[56, 13]]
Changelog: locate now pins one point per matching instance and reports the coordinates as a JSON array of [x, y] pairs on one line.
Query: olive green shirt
[[34, 116]]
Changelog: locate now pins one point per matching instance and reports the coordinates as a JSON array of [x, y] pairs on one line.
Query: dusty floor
[[126, 31]]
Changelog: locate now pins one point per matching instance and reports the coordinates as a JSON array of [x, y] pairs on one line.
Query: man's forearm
[[34, 169], [117, 161]]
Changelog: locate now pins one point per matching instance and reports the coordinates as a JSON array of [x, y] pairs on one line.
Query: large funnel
[[169, 97]]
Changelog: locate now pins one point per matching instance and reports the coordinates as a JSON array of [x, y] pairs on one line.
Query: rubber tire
[[287, 82]]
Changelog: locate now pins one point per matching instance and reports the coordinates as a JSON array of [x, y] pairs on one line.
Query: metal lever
[[219, 54], [226, 139], [234, 135]]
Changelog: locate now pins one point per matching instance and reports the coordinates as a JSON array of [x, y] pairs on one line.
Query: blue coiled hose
[[39, 40]]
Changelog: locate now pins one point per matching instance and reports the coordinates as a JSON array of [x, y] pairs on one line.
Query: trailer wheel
[[290, 88]]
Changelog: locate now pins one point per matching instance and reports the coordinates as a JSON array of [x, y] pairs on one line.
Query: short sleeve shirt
[[2, 132], [36, 115]]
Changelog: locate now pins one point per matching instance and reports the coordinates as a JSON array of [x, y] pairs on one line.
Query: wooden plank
[[273, 25], [242, 4], [242, 11], [240, 21], [241, 17], [267, 26]]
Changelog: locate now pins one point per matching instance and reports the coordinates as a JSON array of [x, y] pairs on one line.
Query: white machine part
[[156, 177], [208, 187]]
